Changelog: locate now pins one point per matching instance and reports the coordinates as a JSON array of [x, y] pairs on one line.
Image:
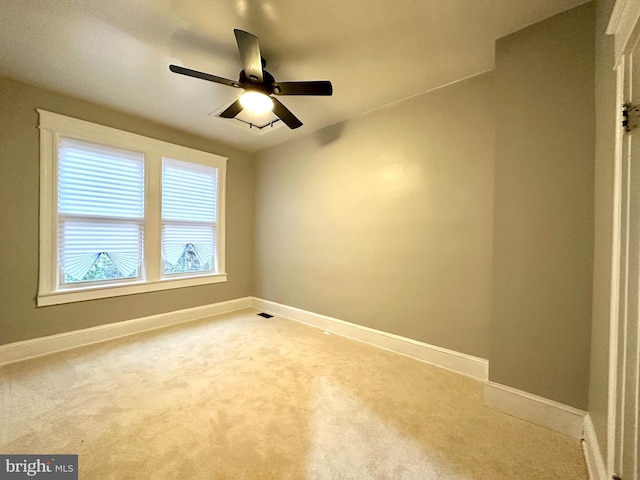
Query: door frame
[[625, 27]]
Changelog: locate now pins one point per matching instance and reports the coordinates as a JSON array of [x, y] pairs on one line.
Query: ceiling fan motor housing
[[266, 86]]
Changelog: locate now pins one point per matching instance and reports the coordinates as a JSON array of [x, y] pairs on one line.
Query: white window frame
[[52, 126]]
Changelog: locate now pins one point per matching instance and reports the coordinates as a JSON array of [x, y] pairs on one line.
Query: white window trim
[[52, 126]]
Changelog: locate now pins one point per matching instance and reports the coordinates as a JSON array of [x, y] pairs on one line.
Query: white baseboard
[[468, 365], [15, 352], [592, 453], [539, 410]]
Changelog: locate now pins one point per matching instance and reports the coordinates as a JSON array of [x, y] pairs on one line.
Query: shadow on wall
[[330, 134]]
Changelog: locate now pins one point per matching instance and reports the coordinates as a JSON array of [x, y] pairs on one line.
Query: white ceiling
[[375, 52]]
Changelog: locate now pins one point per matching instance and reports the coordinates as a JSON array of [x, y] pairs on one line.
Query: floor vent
[[265, 315]]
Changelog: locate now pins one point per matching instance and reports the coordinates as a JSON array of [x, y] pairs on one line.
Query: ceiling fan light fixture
[[259, 85], [256, 102]]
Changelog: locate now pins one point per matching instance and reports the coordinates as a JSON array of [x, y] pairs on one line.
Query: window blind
[[82, 242], [176, 237], [189, 198], [100, 211], [99, 181]]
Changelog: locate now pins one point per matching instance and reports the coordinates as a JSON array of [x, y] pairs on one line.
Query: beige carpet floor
[[240, 396]]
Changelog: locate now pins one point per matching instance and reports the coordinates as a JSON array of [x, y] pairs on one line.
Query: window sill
[[93, 293]]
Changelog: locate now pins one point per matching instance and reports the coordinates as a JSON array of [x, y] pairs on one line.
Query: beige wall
[[19, 159], [385, 220], [605, 89], [543, 235]]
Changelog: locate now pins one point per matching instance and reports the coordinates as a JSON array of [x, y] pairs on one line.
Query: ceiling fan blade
[[249, 48], [204, 76], [232, 110], [284, 114], [321, 87]]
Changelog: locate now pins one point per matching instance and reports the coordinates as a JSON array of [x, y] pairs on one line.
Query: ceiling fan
[[259, 85]]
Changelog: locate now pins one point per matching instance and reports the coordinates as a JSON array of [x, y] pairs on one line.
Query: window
[[188, 221], [100, 212], [122, 213]]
